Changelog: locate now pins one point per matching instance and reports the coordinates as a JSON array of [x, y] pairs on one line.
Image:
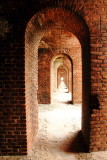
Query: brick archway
[[62, 74], [50, 47], [19, 47], [59, 62], [36, 28]]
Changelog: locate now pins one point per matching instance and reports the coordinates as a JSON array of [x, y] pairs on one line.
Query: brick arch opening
[[61, 67], [54, 42], [39, 24], [62, 74]]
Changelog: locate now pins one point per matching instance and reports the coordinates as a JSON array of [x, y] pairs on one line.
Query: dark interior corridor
[[53, 57]]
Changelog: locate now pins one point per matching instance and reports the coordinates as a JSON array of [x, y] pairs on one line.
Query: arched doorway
[[53, 42], [36, 28], [61, 74]]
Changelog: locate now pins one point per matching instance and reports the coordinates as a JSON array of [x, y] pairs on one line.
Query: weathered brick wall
[[12, 92], [15, 16], [31, 77], [80, 30], [44, 59], [97, 23], [29, 87]]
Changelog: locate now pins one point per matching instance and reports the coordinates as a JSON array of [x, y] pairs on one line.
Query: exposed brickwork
[[12, 97], [18, 88], [31, 86], [54, 43], [82, 34], [44, 76], [98, 27]]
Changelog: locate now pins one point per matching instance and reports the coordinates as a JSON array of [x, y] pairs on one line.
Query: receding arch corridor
[[43, 42]]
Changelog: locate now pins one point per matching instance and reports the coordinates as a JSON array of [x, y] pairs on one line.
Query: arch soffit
[[50, 17]]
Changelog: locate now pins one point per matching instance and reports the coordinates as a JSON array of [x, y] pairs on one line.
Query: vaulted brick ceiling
[[58, 38]]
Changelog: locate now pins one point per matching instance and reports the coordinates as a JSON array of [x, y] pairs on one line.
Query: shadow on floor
[[76, 144], [68, 102]]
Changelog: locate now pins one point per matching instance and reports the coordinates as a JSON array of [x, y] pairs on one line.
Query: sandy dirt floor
[[59, 135]]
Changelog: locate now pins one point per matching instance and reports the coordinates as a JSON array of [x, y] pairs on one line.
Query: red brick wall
[[32, 39], [18, 88], [12, 95], [97, 23], [44, 76], [82, 34], [31, 86]]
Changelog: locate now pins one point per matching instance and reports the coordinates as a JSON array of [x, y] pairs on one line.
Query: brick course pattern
[[19, 44]]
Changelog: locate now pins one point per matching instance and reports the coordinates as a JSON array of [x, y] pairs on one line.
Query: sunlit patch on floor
[[58, 123]]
